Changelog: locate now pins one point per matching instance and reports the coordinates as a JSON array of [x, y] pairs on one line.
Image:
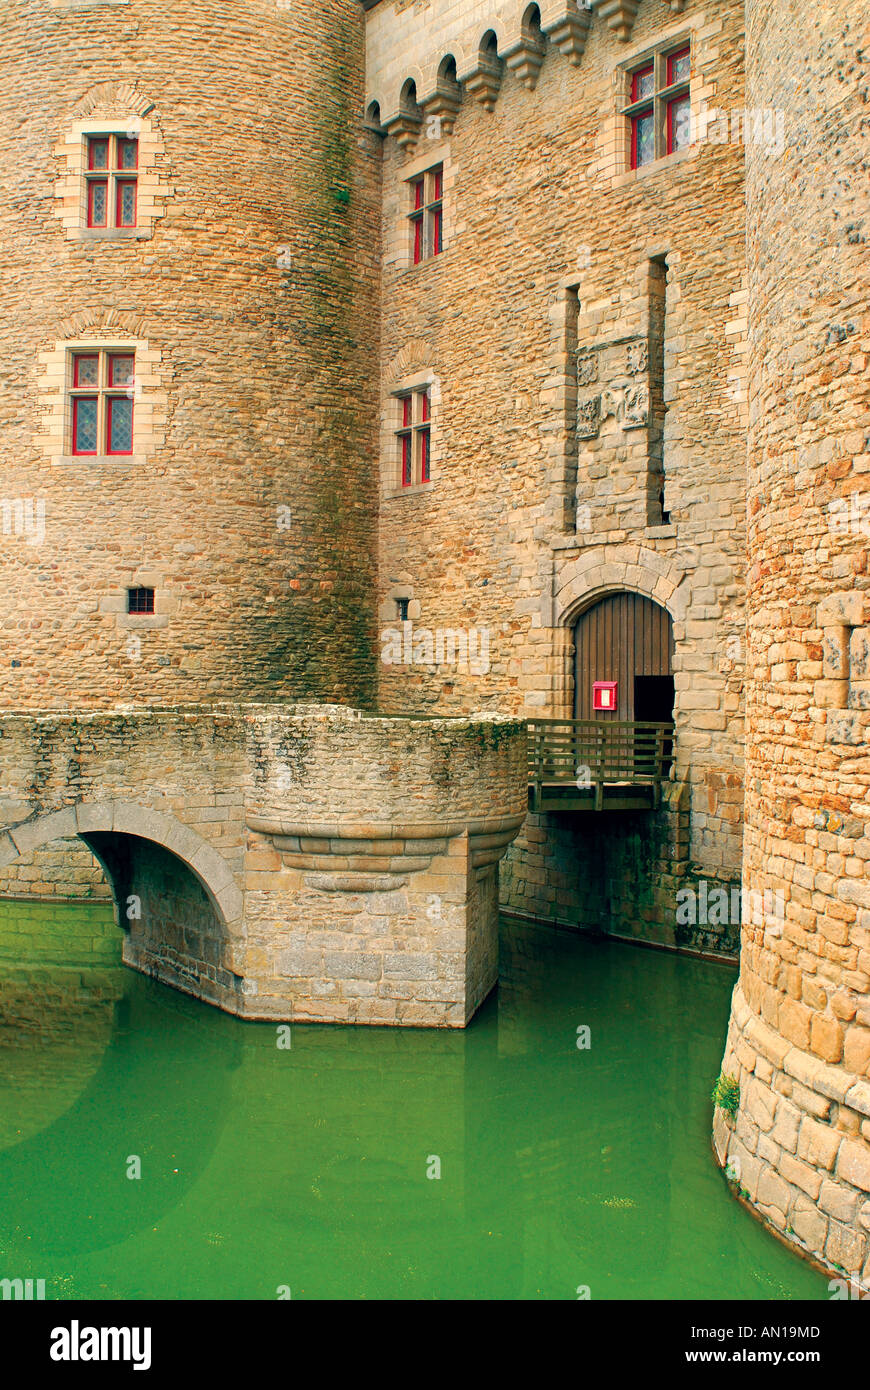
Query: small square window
[[140, 600]]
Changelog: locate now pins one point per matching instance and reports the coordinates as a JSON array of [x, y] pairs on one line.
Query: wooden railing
[[601, 760]]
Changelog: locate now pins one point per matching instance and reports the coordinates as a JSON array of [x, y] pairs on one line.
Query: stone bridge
[[287, 862]]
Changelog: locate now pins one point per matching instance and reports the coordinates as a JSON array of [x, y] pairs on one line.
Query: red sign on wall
[[604, 695]]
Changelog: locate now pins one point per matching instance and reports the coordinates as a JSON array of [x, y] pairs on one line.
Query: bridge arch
[[92, 821]]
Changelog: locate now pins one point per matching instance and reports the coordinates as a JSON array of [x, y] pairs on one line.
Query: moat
[[304, 1171]]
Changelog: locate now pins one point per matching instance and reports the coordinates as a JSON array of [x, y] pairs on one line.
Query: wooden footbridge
[[597, 765]]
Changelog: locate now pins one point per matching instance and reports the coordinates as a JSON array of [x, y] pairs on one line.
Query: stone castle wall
[[799, 1039], [247, 503], [543, 299]]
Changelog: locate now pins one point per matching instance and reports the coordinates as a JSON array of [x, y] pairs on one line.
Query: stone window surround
[[399, 588], [53, 440], [165, 602], [71, 184], [399, 247], [390, 453], [612, 159]]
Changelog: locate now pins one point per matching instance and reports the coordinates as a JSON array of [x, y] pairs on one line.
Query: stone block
[[808, 1224], [838, 1201], [853, 1163], [818, 1144]]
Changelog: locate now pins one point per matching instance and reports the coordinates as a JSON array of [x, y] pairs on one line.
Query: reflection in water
[[307, 1167]]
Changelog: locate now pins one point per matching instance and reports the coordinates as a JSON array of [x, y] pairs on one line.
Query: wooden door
[[622, 636]]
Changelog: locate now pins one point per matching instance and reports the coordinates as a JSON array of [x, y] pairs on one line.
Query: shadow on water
[[499, 1162]]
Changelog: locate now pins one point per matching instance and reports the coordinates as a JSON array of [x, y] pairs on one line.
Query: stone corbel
[[569, 32], [444, 104], [366, 858], [619, 14], [405, 128], [526, 59], [484, 81]]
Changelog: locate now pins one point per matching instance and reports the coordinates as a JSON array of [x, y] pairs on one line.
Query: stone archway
[[175, 895], [129, 818], [596, 573]]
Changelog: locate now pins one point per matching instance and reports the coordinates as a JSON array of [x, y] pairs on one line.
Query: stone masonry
[[603, 348], [799, 1038], [290, 862], [560, 270]]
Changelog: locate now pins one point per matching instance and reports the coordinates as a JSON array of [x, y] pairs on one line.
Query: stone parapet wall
[[285, 862]]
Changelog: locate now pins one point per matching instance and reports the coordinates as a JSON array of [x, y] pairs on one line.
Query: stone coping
[[253, 711], [385, 830]]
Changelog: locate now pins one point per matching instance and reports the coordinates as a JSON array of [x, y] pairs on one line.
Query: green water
[[307, 1167]]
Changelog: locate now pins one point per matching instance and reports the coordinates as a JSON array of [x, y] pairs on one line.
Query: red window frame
[[427, 214], [115, 379], [635, 122], [111, 402], [635, 81], [77, 401], [106, 169], [120, 185], [94, 141], [417, 219], [124, 143], [674, 58], [661, 104], [93, 185], [414, 436]]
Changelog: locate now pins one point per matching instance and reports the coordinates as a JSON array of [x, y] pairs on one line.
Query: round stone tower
[[189, 215], [798, 1147]]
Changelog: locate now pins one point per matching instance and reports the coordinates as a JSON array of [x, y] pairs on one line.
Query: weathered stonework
[[254, 263], [799, 1038], [598, 349], [289, 862], [536, 321]]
